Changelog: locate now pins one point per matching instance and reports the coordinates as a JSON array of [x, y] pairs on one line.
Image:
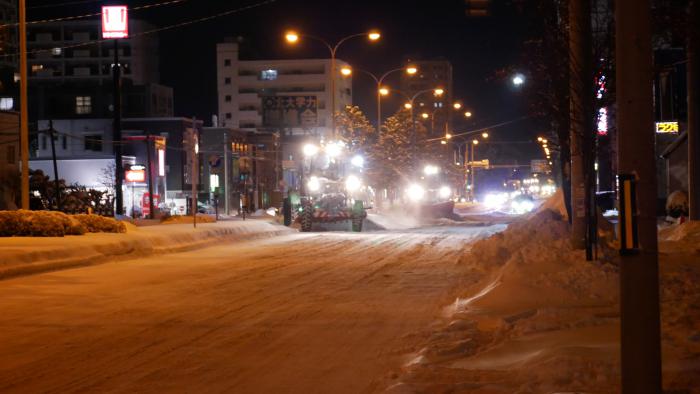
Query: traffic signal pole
[[639, 276]]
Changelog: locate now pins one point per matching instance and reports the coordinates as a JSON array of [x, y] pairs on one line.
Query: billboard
[[290, 111], [115, 22]]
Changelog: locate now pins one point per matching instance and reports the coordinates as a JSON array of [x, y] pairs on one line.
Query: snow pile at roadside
[[23, 256], [182, 219], [542, 319], [680, 238]]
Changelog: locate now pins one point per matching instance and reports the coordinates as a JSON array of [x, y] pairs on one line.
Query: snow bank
[[182, 219], [680, 238], [541, 319], [23, 256]]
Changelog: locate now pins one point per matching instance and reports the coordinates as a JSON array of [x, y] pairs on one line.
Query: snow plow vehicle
[[331, 209]]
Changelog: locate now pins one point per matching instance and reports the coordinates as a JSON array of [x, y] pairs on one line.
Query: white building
[[292, 96]]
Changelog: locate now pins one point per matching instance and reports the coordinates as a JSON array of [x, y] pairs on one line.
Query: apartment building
[[431, 74], [291, 96]]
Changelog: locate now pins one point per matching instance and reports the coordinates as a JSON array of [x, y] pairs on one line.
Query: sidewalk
[[29, 255]]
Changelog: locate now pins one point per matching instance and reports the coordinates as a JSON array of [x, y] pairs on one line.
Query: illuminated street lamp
[[408, 105], [438, 92], [518, 79], [383, 90], [293, 37], [425, 115], [448, 136], [457, 105], [484, 135], [467, 114], [346, 71], [475, 142]]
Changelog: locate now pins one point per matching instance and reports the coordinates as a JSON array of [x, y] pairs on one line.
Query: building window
[[227, 81], [268, 75], [7, 103], [227, 62], [10, 154], [228, 115], [228, 98], [83, 105], [37, 67], [93, 143]]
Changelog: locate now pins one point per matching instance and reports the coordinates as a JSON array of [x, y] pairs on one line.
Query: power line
[[157, 30], [74, 17], [63, 4]]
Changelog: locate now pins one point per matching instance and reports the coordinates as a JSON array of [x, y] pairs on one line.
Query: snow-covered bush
[[100, 224], [24, 223], [677, 204]]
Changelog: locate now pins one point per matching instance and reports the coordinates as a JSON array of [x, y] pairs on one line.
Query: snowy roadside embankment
[[29, 255], [542, 319]]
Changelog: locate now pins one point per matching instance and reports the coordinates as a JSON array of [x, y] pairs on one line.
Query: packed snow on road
[[459, 305]]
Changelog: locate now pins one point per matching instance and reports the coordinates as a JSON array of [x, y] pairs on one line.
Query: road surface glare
[[319, 312]]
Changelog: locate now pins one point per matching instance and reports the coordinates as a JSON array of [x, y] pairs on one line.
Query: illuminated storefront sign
[[115, 22], [666, 127]]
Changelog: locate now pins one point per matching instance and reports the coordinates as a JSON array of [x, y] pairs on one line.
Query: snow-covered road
[[326, 312]]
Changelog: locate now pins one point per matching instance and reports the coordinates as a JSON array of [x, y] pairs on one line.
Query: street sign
[[480, 164], [115, 22], [666, 127], [539, 166]]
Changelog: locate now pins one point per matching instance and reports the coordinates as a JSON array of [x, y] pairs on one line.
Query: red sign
[[115, 22], [135, 175], [145, 206]]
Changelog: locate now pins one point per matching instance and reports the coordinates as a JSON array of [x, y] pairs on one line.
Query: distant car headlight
[[445, 192], [495, 200]]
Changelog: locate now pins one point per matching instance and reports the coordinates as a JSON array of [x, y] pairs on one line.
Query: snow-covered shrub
[[100, 224], [24, 223], [677, 204]]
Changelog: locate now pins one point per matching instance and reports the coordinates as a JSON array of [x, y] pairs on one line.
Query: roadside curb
[[131, 247]]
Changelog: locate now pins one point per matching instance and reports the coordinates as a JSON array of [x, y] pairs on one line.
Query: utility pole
[[52, 134], [24, 110], [694, 109], [226, 182], [639, 270], [195, 170], [149, 176], [117, 132], [581, 114]]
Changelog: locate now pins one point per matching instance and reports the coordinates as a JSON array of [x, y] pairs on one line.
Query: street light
[[484, 135], [293, 37], [467, 114], [424, 115], [384, 90], [448, 136], [346, 71], [518, 79], [475, 142], [408, 105], [457, 105], [438, 92]]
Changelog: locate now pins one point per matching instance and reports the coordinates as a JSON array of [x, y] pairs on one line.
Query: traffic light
[[477, 8]]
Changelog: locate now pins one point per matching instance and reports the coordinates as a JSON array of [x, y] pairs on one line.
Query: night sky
[[477, 47]]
